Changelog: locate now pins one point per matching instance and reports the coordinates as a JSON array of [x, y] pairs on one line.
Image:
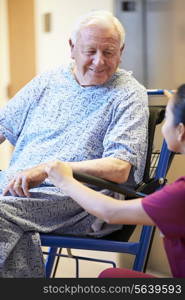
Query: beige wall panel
[[22, 43]]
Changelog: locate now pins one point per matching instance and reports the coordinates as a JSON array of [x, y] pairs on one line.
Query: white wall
[[52, 47]]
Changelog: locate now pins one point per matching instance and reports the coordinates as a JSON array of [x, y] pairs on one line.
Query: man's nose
[[98, 59]]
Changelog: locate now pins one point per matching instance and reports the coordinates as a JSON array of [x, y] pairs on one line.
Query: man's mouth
[[97, 71]]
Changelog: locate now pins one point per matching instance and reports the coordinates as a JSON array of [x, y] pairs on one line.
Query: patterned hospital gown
[[53, 117]]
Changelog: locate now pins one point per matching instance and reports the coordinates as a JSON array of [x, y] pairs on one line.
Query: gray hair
[[99, 17]]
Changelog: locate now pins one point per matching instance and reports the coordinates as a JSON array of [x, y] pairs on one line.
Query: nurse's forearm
[[104, 207]]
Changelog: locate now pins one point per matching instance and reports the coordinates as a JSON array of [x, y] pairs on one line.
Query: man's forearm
[[109, 168]]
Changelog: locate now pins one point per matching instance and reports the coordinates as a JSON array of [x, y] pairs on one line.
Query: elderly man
[[89, 114]]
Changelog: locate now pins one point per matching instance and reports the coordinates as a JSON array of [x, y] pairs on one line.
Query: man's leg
[[22, 218], [26, 259]]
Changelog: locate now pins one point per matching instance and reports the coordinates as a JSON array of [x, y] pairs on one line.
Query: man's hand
[[58, 172], [23, 181]]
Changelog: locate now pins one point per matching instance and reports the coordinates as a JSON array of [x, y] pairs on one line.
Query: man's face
[[97, 55]]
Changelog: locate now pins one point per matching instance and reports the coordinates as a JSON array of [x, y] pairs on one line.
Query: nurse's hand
[[58, 172]]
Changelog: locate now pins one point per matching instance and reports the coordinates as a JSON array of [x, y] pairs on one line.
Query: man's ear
[[122, 48], [181, 132], [72, 48]]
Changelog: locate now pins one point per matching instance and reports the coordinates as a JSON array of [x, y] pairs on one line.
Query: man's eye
[[91, 52], [108, 53]]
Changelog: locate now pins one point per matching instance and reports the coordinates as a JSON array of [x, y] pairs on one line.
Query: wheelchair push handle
[[158, 91]]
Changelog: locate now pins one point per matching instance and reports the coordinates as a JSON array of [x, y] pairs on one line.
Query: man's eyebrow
[[88, 47], [110, 48]]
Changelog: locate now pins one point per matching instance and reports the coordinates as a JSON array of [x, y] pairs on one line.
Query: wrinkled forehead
[[99, 34]]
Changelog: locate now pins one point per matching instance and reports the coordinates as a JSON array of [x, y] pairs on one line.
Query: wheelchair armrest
[[151, 186], [106, 184]]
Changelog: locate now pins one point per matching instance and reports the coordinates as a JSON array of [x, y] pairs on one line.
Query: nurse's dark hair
[[179, 105]]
